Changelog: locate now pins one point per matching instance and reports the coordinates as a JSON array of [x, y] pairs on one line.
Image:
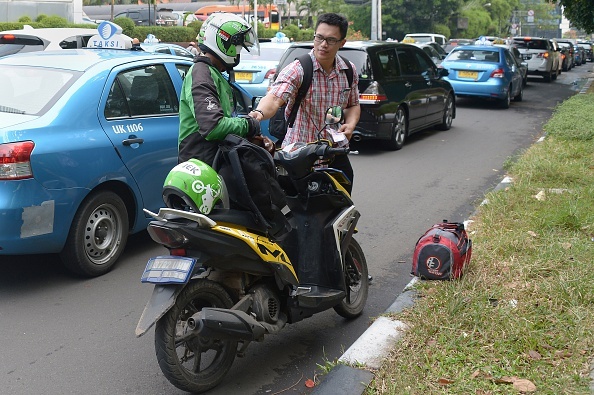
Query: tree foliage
[[404, 16], [580, 13]]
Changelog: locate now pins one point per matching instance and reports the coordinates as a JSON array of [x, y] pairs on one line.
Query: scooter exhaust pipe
[[226, 324]]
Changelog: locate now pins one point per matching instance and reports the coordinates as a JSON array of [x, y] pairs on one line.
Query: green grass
[[524, 309]]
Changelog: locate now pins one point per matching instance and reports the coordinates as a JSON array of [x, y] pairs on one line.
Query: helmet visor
[[251, 43]]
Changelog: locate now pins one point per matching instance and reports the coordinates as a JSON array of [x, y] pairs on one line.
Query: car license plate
[[468, 74], [527, 57], [168, 270], [239, 76]]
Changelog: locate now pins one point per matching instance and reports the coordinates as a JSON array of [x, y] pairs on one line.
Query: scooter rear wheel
[[194, 364], [356, 277]]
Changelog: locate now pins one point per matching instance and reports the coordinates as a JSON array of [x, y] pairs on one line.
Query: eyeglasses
[[329, 40]]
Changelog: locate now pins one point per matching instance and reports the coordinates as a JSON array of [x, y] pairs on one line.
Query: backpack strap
[[307, 65], [348, 71]]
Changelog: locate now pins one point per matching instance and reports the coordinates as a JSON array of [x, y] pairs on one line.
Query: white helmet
[[224, 35]]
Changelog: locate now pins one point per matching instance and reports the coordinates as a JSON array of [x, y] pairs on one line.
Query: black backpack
[[278, 125], [250, 176]]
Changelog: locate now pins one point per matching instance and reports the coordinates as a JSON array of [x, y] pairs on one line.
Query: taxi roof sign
[[109, 36]]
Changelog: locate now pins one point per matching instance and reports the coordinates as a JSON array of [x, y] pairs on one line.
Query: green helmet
[[224, 35], [196, 186]]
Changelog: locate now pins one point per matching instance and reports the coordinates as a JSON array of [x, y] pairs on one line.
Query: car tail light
[[15, 160], [374, 94], [543, 55], [270, 74], [6, 38], [497, 73]]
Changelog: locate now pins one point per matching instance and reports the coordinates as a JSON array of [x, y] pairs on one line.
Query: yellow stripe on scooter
[[267, 250]]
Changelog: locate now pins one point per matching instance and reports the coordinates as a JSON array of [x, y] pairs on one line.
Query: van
[[421, 38]]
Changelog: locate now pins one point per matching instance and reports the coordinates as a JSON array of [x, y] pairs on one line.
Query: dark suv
[[401, 90]]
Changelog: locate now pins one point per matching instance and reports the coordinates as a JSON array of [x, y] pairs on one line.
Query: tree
[[310, 8], [580, 13], [501, 11], [413, 16]]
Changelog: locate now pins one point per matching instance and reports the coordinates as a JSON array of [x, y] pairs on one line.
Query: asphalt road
[[63, 335]]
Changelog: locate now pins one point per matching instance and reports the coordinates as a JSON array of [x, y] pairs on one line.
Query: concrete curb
[[368, 351]]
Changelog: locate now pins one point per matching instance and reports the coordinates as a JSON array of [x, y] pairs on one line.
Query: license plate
[[168, 270], [468, 74], [526, 57], [239, 76]]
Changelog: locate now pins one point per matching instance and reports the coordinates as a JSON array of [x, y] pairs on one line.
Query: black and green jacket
[[206, 112]]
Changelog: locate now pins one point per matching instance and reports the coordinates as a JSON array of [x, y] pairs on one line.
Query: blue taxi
[[87, 137], [485, 71]]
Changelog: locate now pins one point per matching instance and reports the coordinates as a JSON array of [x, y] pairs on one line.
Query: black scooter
[[226, 283]]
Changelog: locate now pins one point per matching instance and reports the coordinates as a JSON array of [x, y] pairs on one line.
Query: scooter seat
[[239, 217]]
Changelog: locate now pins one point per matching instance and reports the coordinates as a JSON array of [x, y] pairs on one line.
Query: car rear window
[[531, 44], [11, 44], [476, 54], [32, 90], [360, 59]]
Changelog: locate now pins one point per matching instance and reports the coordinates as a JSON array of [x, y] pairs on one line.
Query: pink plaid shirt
[[326, 90]]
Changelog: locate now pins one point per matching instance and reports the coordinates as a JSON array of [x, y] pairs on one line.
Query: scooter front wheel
[[193, 363], [357, 283]]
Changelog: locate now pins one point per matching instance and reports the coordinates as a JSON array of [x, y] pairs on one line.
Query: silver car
[[541, 55]]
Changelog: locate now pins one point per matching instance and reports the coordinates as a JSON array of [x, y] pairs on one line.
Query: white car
[[30, 39], [541, 55]]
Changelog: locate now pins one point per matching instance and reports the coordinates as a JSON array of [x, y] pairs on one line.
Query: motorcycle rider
[[206, 108], [329, 87]]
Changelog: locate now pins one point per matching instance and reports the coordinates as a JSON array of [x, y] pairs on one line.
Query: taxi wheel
[[507, 101], [97, 235]]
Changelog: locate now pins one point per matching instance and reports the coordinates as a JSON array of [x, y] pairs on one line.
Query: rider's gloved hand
[[253, 127]]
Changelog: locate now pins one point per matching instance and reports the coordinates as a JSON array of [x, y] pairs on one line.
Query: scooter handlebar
[[337, 151]]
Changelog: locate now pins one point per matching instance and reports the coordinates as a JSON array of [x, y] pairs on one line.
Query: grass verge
[[521, 320]]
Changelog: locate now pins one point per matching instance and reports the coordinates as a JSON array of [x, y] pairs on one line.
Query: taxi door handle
[[129, 142]]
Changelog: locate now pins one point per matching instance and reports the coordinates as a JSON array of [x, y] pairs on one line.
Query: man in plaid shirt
[[329, 87]]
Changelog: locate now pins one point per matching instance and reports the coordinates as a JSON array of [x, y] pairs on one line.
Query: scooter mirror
[[334, 115]]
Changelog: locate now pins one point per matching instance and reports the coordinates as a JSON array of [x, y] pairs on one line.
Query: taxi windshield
[[32, 90]]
